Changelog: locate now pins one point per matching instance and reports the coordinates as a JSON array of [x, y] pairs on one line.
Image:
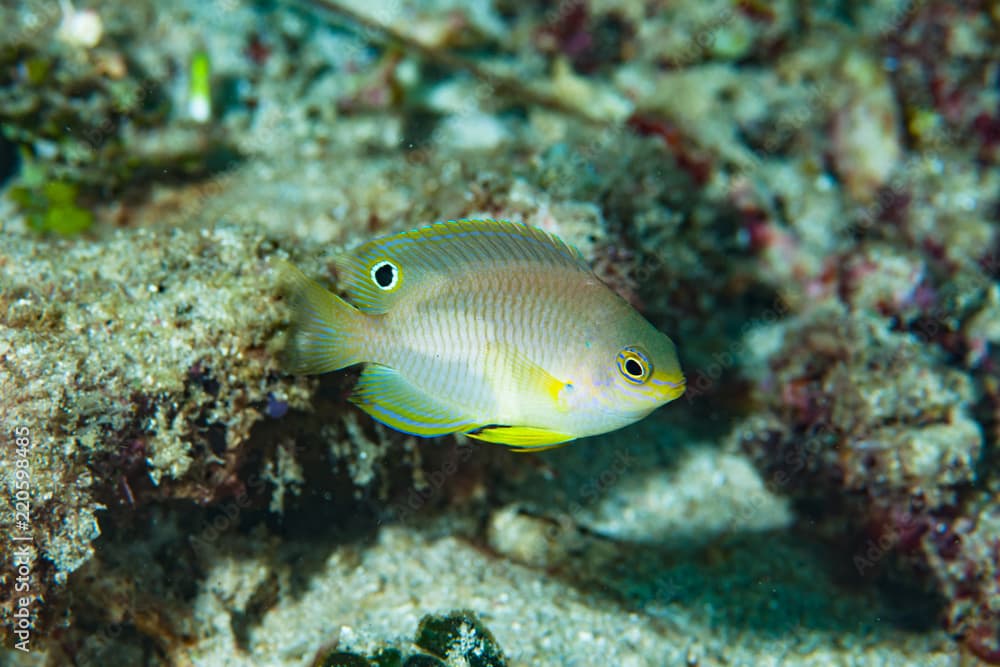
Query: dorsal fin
[[442, 250]]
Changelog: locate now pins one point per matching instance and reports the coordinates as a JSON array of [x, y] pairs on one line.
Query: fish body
[[491, 328]]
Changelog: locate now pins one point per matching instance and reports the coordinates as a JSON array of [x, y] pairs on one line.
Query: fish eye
[[385, 275], [634, 365]]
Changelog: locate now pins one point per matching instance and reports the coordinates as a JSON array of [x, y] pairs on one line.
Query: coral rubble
[[805, 195]]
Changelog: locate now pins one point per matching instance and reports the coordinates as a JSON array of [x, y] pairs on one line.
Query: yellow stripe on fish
[[495, 329]]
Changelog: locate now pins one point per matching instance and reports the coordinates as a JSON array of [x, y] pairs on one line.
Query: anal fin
[[391, 399]]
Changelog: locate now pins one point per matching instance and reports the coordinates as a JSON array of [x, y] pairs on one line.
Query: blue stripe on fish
[[667, 383], [388, 397], [412, 426]]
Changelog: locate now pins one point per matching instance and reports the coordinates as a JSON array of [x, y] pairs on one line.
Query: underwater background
[[804, 196]]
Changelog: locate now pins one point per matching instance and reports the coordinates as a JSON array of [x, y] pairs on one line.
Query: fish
[[495, 329]]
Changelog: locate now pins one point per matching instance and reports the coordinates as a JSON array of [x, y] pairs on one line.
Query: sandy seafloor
[[803, 195]]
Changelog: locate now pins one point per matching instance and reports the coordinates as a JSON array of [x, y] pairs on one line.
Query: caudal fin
[[326, 332]]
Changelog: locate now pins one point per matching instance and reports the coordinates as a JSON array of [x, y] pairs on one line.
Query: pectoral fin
[[519, 377]]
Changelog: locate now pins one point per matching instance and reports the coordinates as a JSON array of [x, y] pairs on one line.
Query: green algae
[[387, 657], [424, 661], [457, 637], [460, 634], [52, 207], [343, 659]]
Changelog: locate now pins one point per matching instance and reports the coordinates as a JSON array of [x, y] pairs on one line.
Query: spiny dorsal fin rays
[[444, 250]]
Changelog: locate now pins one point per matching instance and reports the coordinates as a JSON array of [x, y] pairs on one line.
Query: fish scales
[[462, 318], [451, 315], [491, 328]]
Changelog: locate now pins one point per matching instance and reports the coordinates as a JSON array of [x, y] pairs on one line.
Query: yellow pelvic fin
[[522, 438]]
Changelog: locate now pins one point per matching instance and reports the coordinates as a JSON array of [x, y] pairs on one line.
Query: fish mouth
[[669, 387]]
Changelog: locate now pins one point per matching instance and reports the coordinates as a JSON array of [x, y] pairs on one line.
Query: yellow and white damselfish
[[490, 328]]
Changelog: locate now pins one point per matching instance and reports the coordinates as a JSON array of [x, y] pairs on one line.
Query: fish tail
[[327, 333]]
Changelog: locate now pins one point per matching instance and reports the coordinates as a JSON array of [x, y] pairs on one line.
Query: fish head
[[636, 371]]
